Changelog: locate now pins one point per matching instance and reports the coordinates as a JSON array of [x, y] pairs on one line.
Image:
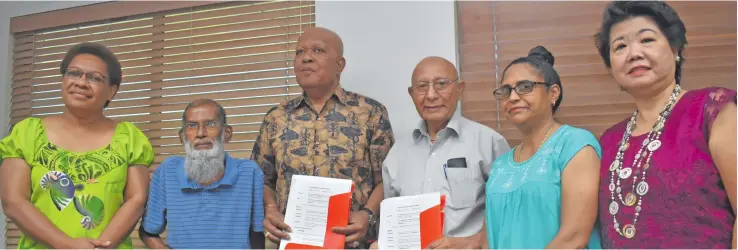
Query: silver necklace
[[641, 163]]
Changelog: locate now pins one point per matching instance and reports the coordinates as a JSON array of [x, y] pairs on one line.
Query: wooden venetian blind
[[492, 34], [237, 53]]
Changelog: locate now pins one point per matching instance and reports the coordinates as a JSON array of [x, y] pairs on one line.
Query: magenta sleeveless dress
[[686, 205]]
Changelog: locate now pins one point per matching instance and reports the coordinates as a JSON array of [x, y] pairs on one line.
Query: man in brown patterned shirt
[[328, 132]]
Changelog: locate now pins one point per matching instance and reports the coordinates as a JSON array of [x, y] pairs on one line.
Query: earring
[[678, 58]]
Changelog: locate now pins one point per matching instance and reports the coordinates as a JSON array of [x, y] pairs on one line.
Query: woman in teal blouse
[[543, 193]]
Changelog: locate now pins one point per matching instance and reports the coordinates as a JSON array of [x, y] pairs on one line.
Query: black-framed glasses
[[439, 85], [209, 125], [91, 77], [522, 87]]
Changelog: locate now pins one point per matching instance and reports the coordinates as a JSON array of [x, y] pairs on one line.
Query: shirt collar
[[229, 177], [339, 94], [454, 125]]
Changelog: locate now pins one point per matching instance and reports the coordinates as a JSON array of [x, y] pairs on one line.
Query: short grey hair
[[196, 103]]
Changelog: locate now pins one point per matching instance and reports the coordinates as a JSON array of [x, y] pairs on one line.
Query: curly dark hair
[[541, 59], [664, 15], [115, 72]]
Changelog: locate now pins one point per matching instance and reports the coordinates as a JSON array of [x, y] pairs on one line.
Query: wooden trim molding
[[95, 12]]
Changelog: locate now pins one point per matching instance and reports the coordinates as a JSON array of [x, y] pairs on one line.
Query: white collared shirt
[[416, 166]]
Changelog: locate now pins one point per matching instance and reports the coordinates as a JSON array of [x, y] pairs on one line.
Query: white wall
[[383, 41], [8, 10]]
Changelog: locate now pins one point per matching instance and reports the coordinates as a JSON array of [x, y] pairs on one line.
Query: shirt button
[[433, 154], [429, 180], [206, 201]]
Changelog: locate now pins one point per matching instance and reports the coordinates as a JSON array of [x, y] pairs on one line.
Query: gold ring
[[267, 234]]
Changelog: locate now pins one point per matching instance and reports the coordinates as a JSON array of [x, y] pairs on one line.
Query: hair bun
[[541, 53]]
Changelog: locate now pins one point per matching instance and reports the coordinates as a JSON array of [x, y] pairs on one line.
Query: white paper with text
[[307, 208], [400, 220]]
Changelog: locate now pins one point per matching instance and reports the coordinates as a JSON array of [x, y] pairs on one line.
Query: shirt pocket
[[464, 185]]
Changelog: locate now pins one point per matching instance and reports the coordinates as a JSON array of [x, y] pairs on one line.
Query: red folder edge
[[431, 224], [339, 209], [443, 211]]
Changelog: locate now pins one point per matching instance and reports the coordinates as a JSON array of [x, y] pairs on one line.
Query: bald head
[[330, 38], [319, 61], [438, 65], [220, 112]]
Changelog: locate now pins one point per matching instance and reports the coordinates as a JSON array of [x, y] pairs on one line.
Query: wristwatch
[[372, 220]]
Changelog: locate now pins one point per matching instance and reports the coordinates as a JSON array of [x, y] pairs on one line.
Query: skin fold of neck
[[82, 118], [533, 136], [319, 96], [650, 107], [435, 127]]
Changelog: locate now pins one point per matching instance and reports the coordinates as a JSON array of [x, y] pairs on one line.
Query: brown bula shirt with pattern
[[348, 139]]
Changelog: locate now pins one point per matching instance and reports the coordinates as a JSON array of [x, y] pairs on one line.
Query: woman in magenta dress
[[668, 171]]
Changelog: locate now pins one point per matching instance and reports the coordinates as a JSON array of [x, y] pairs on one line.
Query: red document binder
[[431, 223]]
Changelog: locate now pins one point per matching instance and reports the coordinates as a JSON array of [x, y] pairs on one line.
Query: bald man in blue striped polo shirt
[[205, 199]]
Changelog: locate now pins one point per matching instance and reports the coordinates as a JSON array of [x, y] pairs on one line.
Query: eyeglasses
[[522, 87], [439, 85], [209, 125], [94, 78]]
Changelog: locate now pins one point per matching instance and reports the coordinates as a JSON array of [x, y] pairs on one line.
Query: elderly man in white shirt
[[446, 153]]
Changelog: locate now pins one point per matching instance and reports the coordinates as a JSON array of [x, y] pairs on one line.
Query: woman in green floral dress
[[79, 179]]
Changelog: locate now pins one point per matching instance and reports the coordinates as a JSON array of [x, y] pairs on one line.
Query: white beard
[[202, 166]]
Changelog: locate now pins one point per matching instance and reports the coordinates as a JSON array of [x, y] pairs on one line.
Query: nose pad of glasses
[[513, 95], [432, 93]]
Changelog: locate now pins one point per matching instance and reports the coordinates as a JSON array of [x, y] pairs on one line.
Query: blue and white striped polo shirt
[[219, 215]]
